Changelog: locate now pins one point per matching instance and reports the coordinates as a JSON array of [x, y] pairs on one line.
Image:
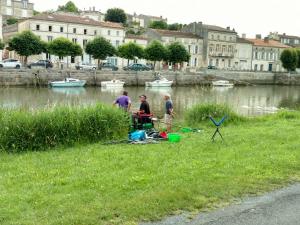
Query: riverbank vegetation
[[126, 184], [23, 130]]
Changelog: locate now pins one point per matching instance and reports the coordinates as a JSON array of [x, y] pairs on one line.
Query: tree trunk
[[25, 60], [154, 66], [99, 63], [127, 62]]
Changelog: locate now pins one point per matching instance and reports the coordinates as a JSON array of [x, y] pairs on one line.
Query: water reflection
[[69, 90], [254, 100]]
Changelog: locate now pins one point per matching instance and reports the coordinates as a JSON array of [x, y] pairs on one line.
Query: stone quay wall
[[33, 77]]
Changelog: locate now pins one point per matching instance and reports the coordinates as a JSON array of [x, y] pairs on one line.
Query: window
[[72, 59], [230, 38], [118, 33], [196, 49], [48, 56], [212, 37], [218, 37], [50, 28], [255, 67], [217, 62], [229, 63], [74, 30], [108, 32], [261, 67], [74, 40], [50, 38], [297, 41], [8, 2], [85, 31], [25, 4], [117, 43], [84, 42], [95, 32], [256, 55], [37, 27], [195, 62], [61, 29], [263, 55], [189, 47]]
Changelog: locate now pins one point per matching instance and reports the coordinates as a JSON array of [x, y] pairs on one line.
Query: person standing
[[123, 102], [169, 113]]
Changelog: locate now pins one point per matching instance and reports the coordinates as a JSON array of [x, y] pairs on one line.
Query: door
[[270, 67]]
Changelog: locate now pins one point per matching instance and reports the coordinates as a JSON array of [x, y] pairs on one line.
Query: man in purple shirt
[[123, 101]]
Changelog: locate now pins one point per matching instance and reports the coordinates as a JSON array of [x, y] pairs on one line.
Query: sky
[[246, 16]]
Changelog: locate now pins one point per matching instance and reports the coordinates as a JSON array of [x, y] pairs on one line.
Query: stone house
[[290, 40], [143, 21], [243, 55], [193, 44], [76, 28], [16, 8], [266, 54], [219, 44]]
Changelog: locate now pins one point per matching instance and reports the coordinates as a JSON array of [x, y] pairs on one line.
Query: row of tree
[[290, 59], [27, 44]]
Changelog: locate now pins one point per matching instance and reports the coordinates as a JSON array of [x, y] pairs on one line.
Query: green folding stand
[[217, 124]]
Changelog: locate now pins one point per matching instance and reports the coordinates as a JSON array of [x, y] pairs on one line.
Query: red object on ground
[[164, 135]]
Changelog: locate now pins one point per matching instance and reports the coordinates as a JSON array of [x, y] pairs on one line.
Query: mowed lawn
[[127, 184]]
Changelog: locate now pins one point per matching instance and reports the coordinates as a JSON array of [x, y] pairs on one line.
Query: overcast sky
[[246, 16]]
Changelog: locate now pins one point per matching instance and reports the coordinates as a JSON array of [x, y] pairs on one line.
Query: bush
[[200, 113], [43, 129]]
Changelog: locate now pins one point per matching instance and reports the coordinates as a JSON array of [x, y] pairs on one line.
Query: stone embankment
[[34, 77]]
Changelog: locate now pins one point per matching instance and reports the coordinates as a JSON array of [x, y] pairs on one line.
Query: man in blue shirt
[[169, 112], [123, 101]]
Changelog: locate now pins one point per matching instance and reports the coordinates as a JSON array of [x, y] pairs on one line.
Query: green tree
[[116, 15], [2, 45], [159, 25], [26, 44], [100, 49], [68, 7], [63, 47], [177, 53], [174, 26], [155, 51], [289, 59], [12, 20], [298, 54], [131, 51]]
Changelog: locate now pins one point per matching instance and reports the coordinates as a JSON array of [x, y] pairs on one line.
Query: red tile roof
[[75, 20], [268, 43], [172, 33]]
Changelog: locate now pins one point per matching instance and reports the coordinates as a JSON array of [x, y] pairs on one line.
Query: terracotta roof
[[243, 40], [75, 20], [138, 37], [268, 43], [172, 33]]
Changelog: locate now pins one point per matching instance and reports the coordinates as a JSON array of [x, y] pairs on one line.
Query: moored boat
[[112, 84], [222, 83], [68, 82], [162, 82]]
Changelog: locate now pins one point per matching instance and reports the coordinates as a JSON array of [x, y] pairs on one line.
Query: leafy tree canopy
[[100, 48], [12, 20], [177, 53], [68, 7], [131, 51], [155, 51], [63, 47], [289, 59], [159, 25], [116, 15], [2, 45]]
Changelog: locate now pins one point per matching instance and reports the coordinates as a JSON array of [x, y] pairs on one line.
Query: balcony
[[221, 54]]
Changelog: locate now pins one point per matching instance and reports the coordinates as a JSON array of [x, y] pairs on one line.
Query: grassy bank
[[124, 184], [24, 130]]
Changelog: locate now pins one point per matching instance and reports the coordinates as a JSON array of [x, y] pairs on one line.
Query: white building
[[193, 44], [266, 54], [243, 56], [76, 28]]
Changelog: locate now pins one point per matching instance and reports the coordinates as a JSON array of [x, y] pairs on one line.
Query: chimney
[[258, 36], [266, 39], [94, 8], [244, 36], [228, 28], [284, 34]]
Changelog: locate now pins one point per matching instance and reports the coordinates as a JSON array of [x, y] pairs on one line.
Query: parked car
[[108, 66], [212, 67], [41, 63], [11, 63], [137, 67], [85, 66], [150, 65]]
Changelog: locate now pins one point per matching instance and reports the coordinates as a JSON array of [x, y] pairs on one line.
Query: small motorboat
[[68, 82], [112, 84], [161, 82], [222, 83]]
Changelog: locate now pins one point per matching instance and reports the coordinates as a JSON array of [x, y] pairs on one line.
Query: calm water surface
[[249, 101]]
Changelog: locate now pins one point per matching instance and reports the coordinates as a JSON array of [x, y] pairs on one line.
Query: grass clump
[[23, 130], [201, 113]]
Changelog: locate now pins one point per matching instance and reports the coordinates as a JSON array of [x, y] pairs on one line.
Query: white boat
[[68, 82], [112, 84], [162, 82], [222, 83]]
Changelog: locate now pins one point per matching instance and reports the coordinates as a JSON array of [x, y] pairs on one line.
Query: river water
[[249, 101]]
